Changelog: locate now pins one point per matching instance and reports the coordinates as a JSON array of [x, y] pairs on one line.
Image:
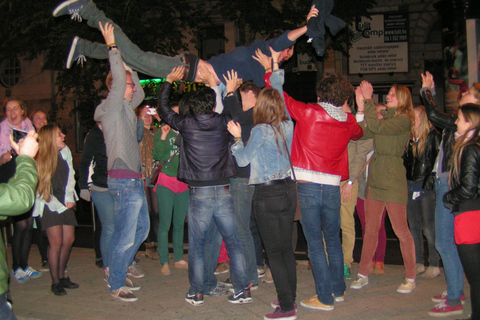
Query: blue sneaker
[[71, 7], [20, 275], [32, 273], [241, 297]]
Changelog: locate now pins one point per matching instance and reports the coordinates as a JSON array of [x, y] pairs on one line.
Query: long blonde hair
[[270, 109], [405, 106], [471, 112], [47, 158], [423, 131]]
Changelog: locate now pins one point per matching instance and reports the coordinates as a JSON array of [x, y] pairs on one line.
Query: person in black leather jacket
[[464, 197], [206, 164], [419, 160], [449, 301]]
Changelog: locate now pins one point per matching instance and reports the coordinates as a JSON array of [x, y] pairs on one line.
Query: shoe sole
[[221, 272], [136, 276], [241, 301], [35, 277], [356, 287], [316, 308], [405, 291], [125, 299], [194, 303], [61, 6], [265, 281], [339, 299], [283, 318], [445, 314], [68, 64]]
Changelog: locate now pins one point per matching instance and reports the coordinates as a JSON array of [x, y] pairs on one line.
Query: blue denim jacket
[[262, 151]]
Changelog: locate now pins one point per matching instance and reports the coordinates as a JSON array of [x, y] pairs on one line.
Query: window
[[10, 72]]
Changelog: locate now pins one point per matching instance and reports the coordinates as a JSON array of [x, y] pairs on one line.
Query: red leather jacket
[[319, 141]]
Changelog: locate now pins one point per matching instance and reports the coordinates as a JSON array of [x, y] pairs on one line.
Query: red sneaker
[[443, 297], [444, 310]]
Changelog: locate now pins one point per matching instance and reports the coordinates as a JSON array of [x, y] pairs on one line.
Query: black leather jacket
[[442, 121], [464, 194], [420, 168], [204, 149]]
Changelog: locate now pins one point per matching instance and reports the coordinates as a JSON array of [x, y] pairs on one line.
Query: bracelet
[[275, 62], [112, 47], [237, 140], [229, 94], [268, 69], [360, 112], [111, 44]]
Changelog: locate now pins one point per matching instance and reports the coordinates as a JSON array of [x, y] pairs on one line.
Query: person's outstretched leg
[[150, 63]]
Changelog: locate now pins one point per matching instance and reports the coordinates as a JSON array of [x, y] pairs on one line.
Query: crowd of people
[[237, 160]]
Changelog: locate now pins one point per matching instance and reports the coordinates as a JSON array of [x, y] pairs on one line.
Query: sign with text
[[380, 45]]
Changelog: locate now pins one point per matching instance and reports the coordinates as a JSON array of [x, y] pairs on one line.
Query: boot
[[151, 251]]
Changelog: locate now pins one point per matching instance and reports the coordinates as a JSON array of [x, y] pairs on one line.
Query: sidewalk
[[162, 297]]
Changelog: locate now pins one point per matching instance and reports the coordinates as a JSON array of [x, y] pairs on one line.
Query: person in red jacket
[[320, 162]]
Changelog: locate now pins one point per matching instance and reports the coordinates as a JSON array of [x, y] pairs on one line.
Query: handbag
[[159, 168]]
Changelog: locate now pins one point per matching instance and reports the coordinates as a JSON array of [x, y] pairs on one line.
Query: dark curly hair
[[335, 89], [202, 101]]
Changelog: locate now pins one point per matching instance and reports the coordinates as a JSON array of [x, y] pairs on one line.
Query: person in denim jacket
[[274, 200]]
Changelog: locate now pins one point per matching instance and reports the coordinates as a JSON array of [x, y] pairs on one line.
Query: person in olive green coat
[[17, 197], [387, 182]]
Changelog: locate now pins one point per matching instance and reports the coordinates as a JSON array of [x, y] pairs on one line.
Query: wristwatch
[[350, 182]]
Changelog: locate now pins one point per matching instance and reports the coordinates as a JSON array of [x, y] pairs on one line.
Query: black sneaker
[[241, 297], [45, 267], [58, 289], [99, 263], [67, 284], [195, 299]]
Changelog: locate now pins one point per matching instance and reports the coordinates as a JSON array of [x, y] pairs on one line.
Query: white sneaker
[[359, 282], [407, 286], [432, 272]]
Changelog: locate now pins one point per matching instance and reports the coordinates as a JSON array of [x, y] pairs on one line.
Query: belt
[[275, 182]]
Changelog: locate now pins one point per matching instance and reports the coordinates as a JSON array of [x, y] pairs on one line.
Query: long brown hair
[[47, 158], [471, 112], [270, 109], [423, 131]]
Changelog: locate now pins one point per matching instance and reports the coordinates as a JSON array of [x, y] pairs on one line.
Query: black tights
[[61, 239], [470, 257], [22, 240]]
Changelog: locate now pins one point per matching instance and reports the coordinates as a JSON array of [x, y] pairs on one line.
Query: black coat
[[420, 168], [464, 194], [442, 121], [204, 150]]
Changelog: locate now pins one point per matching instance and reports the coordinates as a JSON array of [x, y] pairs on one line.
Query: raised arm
[[163, 109]]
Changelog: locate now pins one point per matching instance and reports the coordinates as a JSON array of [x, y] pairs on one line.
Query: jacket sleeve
[[466, 187], [392, 126], [164, 111], [439, 119], [276, 81], [161, 150], [245, 154], [17, 196], [70, 193], [87, 157], [357, 153], [430, 155]]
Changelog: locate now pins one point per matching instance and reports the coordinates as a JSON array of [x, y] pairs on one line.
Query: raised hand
[[359, 99], [275, 56], [264, 60], [107, 32], [427, 80], [176, 74], [232, 81], [367, 89], [313, 13]]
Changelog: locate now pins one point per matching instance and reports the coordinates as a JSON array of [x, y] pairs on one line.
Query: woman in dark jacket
[[419, 160], [449, 302], [464, 197]]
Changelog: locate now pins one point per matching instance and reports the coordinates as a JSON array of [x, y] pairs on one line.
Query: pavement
[[162, 297]]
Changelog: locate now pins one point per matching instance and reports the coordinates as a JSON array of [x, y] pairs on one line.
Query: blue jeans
[[446, 247], [421, 220], [212, 207], [242, 194], [132, 225], [320, 206], [104, 203]]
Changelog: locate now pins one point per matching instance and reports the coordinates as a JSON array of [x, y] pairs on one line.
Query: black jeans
[[274, 207], [470, 257]]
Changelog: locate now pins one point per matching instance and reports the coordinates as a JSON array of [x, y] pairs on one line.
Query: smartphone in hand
[[18, 134]]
